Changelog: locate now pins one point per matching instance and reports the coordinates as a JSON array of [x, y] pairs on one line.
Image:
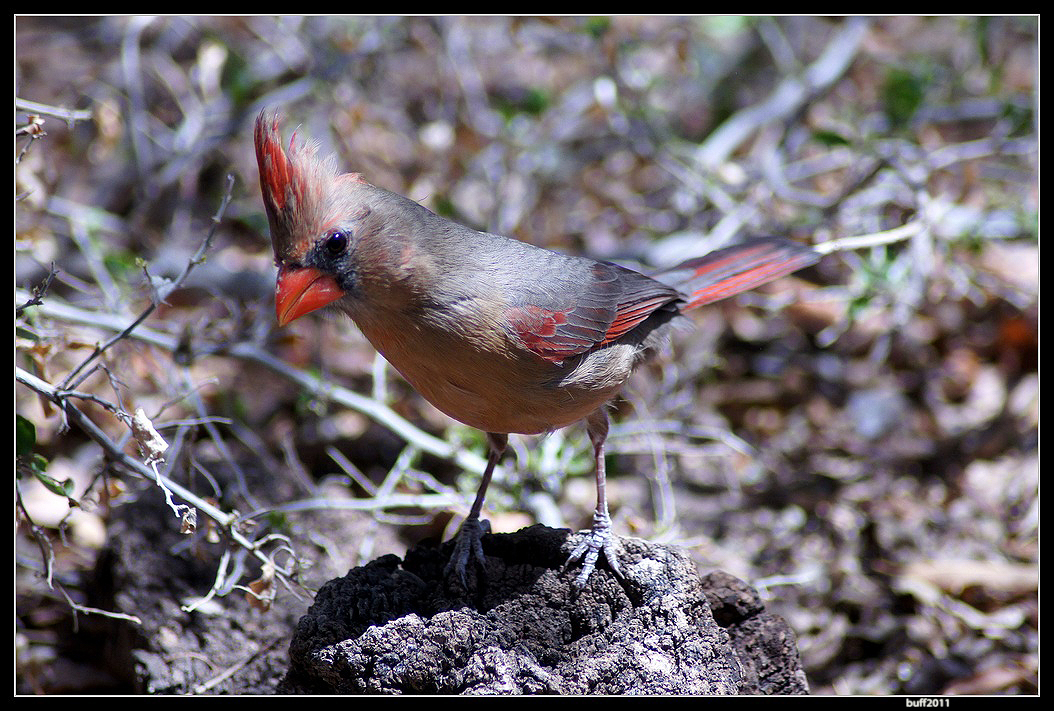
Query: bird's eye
[[336, 243]]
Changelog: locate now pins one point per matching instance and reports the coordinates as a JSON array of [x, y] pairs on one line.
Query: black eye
[[336, 243]]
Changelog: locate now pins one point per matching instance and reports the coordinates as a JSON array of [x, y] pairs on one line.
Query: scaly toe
[[467, 547], [598, 540]]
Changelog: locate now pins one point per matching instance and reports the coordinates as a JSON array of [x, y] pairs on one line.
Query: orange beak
[[301, 290]]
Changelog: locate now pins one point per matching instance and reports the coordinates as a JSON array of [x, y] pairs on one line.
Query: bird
[[499, 334]]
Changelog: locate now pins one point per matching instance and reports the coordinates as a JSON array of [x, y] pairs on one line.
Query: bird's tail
[[736, 269]]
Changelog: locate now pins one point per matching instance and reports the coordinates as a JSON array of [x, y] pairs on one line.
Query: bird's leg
[[599, 539], [467, 545]]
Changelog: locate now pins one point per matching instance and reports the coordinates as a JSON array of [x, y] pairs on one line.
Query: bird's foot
[[467, 547], [599, 539]]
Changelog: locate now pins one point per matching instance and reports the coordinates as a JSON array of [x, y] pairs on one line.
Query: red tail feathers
[[735, 269]]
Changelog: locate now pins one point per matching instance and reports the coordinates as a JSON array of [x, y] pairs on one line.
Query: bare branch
[[897, 234], [68, 115], [225, 520], [39, 291], [198, 258]]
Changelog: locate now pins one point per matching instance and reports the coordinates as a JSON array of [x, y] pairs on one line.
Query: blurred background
[[858, 441]]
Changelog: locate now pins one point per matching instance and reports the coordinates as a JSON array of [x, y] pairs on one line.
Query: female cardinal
[[499, 334]]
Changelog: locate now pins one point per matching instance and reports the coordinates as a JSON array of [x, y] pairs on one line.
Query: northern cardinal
[[499, 334]]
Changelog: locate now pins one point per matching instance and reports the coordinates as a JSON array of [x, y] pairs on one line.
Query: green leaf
[[25, 436], [62, 488], [23, 332], [597, 26], [829, 138], [445, 206], [39, 462], [530, 100], [902, 95]]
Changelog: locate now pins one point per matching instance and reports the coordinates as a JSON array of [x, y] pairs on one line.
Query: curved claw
[[597, 540], [467, 547]]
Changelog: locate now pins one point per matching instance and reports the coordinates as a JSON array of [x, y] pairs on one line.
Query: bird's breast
[[479, 376]]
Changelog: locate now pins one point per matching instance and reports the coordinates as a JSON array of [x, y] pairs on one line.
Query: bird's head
[[312, 214]]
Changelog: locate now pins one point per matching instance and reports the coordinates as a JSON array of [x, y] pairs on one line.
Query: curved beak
[[301, 290]]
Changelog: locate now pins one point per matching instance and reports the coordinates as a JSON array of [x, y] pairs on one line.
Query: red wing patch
[[609, 305], [631, 315], [537, 329]]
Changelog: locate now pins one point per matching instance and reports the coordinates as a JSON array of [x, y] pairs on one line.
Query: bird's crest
[[296, 186]]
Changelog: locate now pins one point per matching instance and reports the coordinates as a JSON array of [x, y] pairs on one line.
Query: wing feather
[[580, 316]]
